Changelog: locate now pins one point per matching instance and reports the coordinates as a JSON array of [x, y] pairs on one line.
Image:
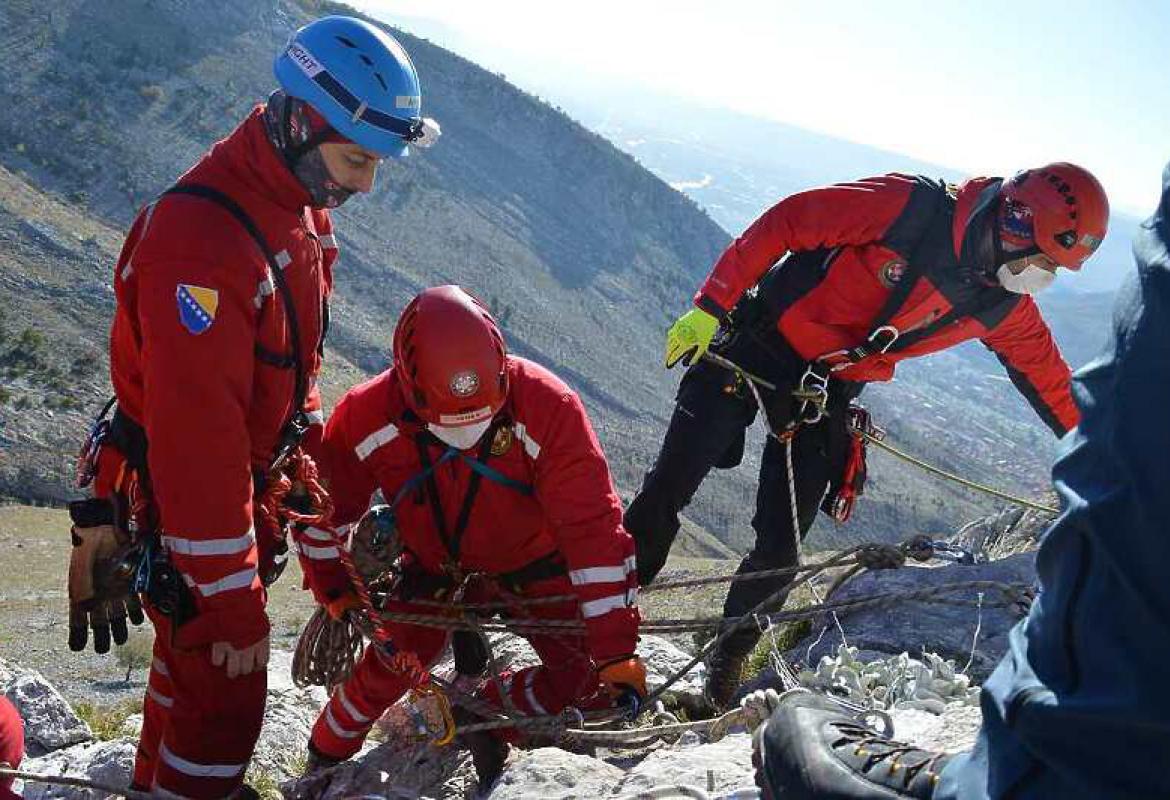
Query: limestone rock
[[717, 768], [109, 763], [50, 723], [288, 719], [554, 774], [912, 626], [952, 731], [1009, 531]]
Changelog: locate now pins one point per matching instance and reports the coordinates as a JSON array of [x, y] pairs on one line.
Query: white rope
[[975, 638]]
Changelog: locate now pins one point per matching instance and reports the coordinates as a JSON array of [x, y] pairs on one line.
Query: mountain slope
[[585, 255]]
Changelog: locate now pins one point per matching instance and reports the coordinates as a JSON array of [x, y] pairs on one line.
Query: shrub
[[136, 653]]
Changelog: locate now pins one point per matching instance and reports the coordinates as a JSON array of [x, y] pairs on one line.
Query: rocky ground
[[81, 721]]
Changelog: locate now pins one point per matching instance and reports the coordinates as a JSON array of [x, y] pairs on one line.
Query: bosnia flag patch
[[197, 307]]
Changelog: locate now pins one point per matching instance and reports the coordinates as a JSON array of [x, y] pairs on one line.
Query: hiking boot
[[489, 752], [471, 656], [724, 675], [317, 762], [811, 749]]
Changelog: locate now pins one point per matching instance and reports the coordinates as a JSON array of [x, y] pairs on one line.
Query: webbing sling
[[479, 470]]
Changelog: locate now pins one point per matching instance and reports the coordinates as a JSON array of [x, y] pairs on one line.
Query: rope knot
[[881, 556], [920, 548]]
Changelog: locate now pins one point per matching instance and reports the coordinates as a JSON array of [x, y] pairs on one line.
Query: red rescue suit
[[571, 517], [861, 221], [200, 358]]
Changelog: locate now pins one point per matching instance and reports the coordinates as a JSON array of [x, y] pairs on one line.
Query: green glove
[[689, 337]]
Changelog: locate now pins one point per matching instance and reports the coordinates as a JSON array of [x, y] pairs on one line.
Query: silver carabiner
[[893, 332]]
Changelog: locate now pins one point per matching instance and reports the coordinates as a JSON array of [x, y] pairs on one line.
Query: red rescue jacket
[[200, 358], [573, 513], [864, 230]]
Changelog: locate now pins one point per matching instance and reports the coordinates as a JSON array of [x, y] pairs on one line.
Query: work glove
[[689, 337], [346, 602], [624, 679], [240, 662], [101, 567]]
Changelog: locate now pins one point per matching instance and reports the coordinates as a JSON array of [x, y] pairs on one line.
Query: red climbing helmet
[[1059, 210], [449, 357]]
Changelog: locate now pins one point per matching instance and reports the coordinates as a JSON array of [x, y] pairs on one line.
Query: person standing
[[222, 294]]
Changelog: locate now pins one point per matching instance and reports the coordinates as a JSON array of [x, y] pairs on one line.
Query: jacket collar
[[248, 154]]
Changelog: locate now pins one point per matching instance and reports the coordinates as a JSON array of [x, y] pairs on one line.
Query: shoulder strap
[[479, 470], [300, 387], [914, 266], [882, 336]]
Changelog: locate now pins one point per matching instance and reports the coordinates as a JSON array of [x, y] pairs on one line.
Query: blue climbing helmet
[[360, 79]]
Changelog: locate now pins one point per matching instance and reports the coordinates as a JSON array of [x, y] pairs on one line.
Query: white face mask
[[1030, 280], [461, 438]]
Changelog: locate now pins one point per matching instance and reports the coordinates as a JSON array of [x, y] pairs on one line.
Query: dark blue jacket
[[1080, 705]]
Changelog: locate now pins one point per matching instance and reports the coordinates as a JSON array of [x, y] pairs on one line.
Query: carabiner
[[878, 333]]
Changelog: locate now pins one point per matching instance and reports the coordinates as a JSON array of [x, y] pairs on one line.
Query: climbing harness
[[873, 435]]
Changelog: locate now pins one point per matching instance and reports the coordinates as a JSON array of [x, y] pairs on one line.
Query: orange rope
[[299, 469]]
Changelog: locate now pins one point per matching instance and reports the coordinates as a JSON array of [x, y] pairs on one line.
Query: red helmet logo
[[464, 384]]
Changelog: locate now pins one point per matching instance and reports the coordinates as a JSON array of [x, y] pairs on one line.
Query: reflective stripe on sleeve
[[161, 699], [316, 534], [530, 695], [595, 608], [354, 714], [239, 580], [334, 726], [531, 447], [328, 241], [375, 440], [319, 553], [580, 577]]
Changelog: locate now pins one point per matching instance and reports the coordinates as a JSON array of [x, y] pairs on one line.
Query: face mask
[[463, 438], [1030, 280], [314, 176], [293, 131]]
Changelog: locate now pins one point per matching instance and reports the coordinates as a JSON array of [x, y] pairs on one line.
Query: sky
[[984, 88]]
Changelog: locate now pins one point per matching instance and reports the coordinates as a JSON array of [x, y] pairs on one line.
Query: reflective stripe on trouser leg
[[211, 727], [156, 706], [373, 687]]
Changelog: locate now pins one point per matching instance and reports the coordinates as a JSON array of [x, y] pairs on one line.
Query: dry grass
[[106, 721]]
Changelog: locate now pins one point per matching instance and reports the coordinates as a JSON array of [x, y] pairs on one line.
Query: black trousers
[[712, 413]]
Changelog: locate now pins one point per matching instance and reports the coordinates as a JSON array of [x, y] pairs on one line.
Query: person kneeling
[[499, 491]]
